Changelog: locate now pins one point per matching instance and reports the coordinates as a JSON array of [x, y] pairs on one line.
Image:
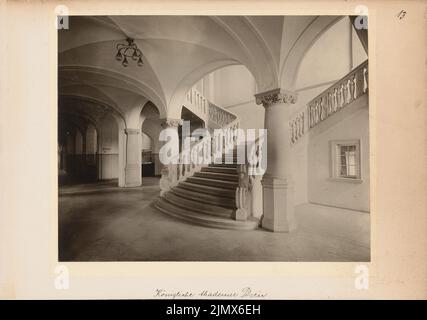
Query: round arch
[[292, 62], [104, 76], [175, 105]]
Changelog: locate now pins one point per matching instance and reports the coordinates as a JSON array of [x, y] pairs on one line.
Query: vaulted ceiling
[[178, 51]]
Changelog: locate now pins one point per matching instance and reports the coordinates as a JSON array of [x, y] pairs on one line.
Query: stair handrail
[[339, 95], [178, 170], [220, 117]]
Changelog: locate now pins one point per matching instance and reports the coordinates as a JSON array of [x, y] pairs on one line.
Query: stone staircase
[[208, 194], [207, 198]]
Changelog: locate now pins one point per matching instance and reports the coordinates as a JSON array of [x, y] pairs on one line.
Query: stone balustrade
[[197, 103], [219, 117], [200, 154], [338, 96]]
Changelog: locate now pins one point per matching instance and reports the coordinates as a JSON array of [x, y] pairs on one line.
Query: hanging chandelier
[[129, 50]]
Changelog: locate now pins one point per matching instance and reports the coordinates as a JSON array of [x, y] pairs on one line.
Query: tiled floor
[[101, 222]]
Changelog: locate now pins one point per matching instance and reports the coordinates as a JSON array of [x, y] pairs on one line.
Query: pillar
[[133, 158], [277, 183], [167, 177]]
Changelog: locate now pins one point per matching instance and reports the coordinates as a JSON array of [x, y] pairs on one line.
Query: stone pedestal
[[133, 161], [278, 205], [278, 208], [256, 197]]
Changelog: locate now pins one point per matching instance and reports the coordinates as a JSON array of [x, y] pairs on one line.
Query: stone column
[[133, 158], [168, 172], [277, 182]]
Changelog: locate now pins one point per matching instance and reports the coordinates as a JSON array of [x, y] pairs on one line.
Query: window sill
[[346, 180]]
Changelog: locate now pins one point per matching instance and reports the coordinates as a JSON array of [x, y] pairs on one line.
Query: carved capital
[[131, 131], [289, 97], [274, 96], [168, 122]]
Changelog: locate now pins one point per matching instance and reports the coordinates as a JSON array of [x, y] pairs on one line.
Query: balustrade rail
[[297, 126], [338, 96], [204, 151], [333, 99], [201, 151], [219, 117]]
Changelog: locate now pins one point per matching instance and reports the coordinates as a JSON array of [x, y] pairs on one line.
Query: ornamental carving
[[167, 123], [275, 96]]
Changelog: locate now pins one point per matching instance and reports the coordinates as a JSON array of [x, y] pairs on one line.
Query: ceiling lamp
[[129, 50]]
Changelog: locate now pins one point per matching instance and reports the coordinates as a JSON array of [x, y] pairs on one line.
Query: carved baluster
[[292, 131], [313, 116], [345, 87], [365, 79], [315, 113], [297, 128], [353, 87], [322, 108], [345, 93], [359, 83], [301, 119], [340, 97], [303, 123], [241, 212]]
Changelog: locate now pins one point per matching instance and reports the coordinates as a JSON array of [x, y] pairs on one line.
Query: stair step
[[227, 193], [223, 158], [220, 169], [217, 175], [198, 206], [232, 185], [206, 198], [223, 165], [203, 219]]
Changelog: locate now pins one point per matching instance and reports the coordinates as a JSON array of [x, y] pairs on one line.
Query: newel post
[[242, 196]]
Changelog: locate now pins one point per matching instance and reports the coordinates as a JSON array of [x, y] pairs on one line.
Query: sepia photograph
[[213, 158], [213, 138]]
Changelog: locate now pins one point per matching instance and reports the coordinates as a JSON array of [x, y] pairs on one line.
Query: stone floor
[[101, 222]]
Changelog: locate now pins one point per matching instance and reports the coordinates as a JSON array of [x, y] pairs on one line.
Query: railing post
[[242, 193]]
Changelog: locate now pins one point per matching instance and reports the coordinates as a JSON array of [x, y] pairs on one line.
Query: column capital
[[131, 131], [271, 97], [169, 122]]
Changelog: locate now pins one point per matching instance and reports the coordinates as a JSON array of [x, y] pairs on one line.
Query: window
[[346, 160]]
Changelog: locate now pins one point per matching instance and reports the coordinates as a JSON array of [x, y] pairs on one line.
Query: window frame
[[335, 156]]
